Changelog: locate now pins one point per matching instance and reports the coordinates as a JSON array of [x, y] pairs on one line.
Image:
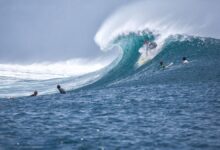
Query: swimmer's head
[[184, 58], [35, 92], [58, 86]]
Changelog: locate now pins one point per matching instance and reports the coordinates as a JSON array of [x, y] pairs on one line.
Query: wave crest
[[163, 17]]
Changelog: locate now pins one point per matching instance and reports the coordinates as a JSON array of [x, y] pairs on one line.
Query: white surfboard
[[169, 65]]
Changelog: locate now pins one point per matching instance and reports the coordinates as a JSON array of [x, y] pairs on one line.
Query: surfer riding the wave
[[147, 46], [150, 45], [145, 51]]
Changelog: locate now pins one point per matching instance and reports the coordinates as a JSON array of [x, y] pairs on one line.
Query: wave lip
[[166, 17]]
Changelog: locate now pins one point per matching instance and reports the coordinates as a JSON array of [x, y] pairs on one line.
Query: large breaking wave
[[126, 30]]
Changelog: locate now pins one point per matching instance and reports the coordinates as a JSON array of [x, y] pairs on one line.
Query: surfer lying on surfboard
[[163, 66], [61, 90], [185, 61], [34, 94]]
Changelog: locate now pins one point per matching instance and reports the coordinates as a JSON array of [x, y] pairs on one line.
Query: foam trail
[[165, 17]]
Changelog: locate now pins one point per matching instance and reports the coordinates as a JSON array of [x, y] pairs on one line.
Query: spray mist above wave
[[191, 17]]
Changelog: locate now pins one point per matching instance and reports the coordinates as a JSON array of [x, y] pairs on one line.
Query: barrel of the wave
[[147, 52], [130, 45]]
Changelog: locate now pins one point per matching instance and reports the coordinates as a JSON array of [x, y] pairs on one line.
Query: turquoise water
[[127, 107]]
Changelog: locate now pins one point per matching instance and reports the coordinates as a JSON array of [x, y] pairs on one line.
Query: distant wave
[[21, 80], [47, 70]]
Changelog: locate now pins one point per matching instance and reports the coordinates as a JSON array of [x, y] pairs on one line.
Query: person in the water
[[184, 60], [61, 90], [34, 94], [162, 65], [150, 45], [146, 42]]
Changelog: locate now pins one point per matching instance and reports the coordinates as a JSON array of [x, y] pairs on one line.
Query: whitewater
[[127, 101]]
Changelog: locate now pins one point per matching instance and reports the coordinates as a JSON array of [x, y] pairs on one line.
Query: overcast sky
[[57, 30], [51, 30]]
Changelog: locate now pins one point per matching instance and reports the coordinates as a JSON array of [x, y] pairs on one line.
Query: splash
[[165, 17]]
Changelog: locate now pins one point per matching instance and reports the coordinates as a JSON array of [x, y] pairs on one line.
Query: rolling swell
[[202, 53], [128, 45]]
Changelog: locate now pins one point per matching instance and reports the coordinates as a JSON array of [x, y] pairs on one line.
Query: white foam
[[168, 17], [48, 70]]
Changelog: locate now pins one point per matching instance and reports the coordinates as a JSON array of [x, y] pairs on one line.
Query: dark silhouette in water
[[34, 94], [61, 90], [184, 60], [162, 65], [150, 45]]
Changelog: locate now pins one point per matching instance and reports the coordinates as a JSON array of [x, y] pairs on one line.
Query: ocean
[[130, 104]]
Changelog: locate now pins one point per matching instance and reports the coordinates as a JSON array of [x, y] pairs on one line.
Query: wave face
[[202, 53], [126, 30], [177, 35]]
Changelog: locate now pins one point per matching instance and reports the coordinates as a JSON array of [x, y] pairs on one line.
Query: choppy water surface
[[174, 116], [125, 105]]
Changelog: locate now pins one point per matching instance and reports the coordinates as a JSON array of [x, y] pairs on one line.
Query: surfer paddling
[[61, 90], [34, 94], [184, 60], [162, 66]]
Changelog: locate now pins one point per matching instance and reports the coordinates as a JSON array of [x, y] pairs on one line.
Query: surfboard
[[169, 65], [142, 58]]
